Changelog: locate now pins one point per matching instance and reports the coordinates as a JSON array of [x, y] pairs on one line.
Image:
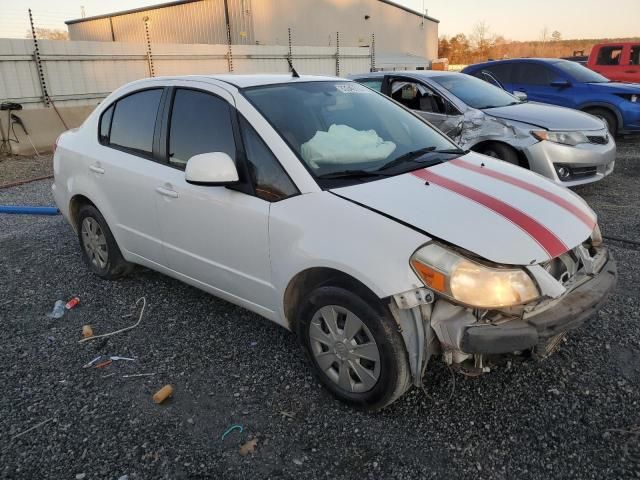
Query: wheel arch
[[307, 280], [604, 106], [522, 158], [76, 202]]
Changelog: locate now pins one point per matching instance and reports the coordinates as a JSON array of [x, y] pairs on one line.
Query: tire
[[95, 236], [608, 117], [502, 152], [378, 331]]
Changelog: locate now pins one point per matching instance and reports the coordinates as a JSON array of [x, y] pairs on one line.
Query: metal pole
[[372, 51], [290, 51], [147, 34], [38, 60], [229, 49], [337, 54]]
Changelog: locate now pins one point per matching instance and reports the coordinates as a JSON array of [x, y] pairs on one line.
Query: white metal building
[[397, 29]]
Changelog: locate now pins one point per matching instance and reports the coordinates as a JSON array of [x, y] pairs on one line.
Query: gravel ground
[[15, 168], [574, 415]]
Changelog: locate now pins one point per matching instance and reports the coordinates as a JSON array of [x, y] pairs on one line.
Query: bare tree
[[49, 34], [556, 36], [482, 39], [544, 34]]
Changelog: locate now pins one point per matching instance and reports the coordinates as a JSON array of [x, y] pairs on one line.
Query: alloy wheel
[[94, 242]]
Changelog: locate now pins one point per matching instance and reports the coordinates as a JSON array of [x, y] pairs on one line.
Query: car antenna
[[294, 74]]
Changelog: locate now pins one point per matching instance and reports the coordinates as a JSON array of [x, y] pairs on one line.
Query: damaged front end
[[571, 287]]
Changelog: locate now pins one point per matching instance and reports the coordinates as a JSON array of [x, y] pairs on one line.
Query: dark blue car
[[569, 84]]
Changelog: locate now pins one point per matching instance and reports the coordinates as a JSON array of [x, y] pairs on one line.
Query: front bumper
[[594, 159], [571, 311]]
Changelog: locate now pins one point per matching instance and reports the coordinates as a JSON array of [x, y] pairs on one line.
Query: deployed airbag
[[342, 144]]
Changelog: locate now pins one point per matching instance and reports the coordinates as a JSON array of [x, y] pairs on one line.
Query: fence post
[[38, 60], [152, 71], [337, 54], [290, 51], [372, 52], [229, 48]]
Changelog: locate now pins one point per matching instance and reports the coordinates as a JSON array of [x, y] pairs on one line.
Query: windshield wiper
[[351, 174], [415, 154]]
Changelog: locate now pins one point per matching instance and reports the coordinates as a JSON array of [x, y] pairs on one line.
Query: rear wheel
[[99, 249], [502, 152], [354, 347], [607, 117]]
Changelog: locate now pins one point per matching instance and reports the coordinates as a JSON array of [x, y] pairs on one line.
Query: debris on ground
[[87, 331], [104, 364], [162, 394], [72, 303], [58, 310], [89, 364], [240, 429], [32, 428], [249, 447], [144, 304]]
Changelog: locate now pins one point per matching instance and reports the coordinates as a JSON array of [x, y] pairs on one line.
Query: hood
[[498, 211], [617, 87], [547, 116]]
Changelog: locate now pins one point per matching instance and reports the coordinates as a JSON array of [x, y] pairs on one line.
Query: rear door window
[[532, 74], [134, 120], [609, 55], [635, 55], [501, 71], [200, 123]]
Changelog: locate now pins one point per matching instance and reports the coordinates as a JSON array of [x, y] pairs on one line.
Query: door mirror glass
[[216, 168], [520, 96], [559, 83]]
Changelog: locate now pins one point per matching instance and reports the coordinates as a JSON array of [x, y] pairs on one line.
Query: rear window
[[502, 72], [134, 120], [579, 73], [372, 84]]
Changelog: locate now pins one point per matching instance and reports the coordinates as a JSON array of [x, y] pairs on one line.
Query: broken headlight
[[469, 282], [564, 138]]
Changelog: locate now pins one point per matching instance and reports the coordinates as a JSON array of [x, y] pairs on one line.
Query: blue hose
[[25, 210]]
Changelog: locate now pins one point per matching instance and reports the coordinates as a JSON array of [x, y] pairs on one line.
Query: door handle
[[167, 192], [96, 169]]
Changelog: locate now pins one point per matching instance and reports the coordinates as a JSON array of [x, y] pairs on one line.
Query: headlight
[[565, 138], [472, 283]]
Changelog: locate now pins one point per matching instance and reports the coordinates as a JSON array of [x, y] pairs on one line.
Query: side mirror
[[520, 96], [560, 84], [212, 169]]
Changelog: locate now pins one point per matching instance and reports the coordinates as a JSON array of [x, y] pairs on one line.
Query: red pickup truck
[[616, 61]]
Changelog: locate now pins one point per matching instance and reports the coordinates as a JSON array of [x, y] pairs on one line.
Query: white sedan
[[330, 209]]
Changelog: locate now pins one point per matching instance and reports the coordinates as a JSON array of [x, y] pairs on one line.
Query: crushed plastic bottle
[[58, 310]]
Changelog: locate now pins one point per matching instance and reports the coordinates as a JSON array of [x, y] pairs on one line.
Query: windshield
[[580, 73], [337, 128], [475, 92]]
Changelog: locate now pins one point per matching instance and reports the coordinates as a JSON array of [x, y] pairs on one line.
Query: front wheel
[[607, 117], [501, 152], [354, 347]]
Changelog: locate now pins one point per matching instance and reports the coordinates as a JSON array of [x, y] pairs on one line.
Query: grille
[[599, 139], [582, 172]]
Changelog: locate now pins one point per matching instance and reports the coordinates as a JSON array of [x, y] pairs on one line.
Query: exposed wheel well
[[307, 280], [74, 207], [522, 158], [607, 109]]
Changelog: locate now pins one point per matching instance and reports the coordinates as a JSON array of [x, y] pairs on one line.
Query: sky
[[514, 20]]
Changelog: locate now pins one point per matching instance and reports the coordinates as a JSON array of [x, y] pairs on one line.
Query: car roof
[[517, 60], [406, 73], [244, 81]]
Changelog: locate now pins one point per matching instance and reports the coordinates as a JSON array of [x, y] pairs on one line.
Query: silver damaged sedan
[[569, 147]]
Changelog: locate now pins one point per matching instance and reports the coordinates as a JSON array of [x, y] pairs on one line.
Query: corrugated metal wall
[[194, 22], [82, 73]]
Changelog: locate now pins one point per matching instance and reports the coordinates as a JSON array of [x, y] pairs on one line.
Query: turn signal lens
[[431, 278], [472, 283]]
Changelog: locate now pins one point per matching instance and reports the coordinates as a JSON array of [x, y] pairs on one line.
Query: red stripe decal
[[545, 238], [580, 214]]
